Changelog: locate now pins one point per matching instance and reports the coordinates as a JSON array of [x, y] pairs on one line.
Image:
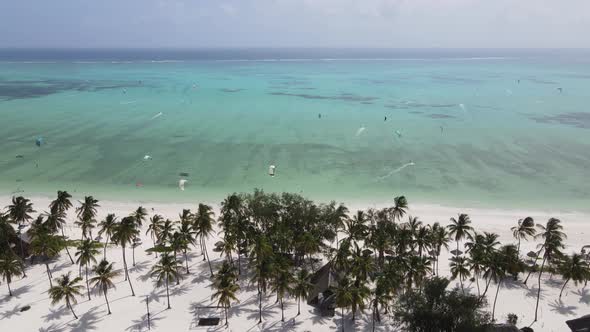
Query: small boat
[[271, 170]]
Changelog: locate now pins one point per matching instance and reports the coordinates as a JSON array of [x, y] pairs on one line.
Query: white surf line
[[411, 163], [360, 131]]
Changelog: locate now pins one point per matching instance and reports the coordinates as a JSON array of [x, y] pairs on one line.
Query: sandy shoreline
[[128, 312]]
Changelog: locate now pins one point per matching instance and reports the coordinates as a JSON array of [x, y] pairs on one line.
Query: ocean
[[469, 128]]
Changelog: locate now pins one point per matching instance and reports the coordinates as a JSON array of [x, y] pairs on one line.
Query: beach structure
[[581, 324], [322, 296]]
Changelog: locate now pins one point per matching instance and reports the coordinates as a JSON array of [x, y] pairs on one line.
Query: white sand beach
[[129, 313]]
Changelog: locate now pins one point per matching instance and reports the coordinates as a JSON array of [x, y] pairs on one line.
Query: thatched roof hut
[[581, 324]]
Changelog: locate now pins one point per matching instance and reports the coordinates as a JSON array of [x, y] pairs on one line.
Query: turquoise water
[[470, 133]]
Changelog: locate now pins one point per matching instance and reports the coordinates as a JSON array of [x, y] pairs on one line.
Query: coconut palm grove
[[380, 266]]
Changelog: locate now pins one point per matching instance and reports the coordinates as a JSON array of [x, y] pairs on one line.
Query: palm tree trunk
[[9, 290], [457, 252], [282, 311], [48, 274], [67, 250], [461, 282], [87, 284], [226, 324], [539, 285], [259, 304], [167, 293], [298, 306], [186, 261], [71, 309], [107, 300], [342, 319], [533, 266], [203, 249], [127, 273], [133, 250], [106, 242], [208, 260], [477, 283], [487, 285], [563, 287], [496, 298]]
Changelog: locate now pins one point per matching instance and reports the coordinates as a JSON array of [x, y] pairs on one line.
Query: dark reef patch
[[342, 96], [231, 90], [440, 116], [573, 119], [25, 89]]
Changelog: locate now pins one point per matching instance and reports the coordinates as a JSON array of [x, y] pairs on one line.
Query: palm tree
[[399, 208], [86, 213], [496, 271], [261, 257], [343, 296], [459, 268], [104, 279], [7, 233], [10, 266], [124, 233], [166, 232], [62, 202], [336, 217], [225, 287], [524, 229], [360, 292], [20, 209], [66, 290], [48, 246], [439, 240], [382, 294], [574, 268], [59, 208], [422, 239], [107, 227], [187, 237], [459, 228], [553, 243], [19, 212], [301, 287], [85, 255], [203, 225], [139, 216], [154, 228], [281, 284], [165, 271]]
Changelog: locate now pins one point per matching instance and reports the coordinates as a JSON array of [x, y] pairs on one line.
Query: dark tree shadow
[[584, 295], [86, 322], [532, 292], [553, 282], [52, 328], [141, 324], [510, 283], [140, 267], [560, 308], [179, 290], [9, 313], [55, 314]]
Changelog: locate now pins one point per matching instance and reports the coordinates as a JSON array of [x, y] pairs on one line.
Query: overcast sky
[[295, 23]]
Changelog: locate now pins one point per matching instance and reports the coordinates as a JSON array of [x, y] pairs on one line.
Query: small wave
[[396, 170]]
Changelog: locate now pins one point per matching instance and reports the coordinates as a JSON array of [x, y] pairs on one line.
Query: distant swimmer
[[518, 81], [147, 157], [560, 90], [441, 129], [157, 115], [319, 115], [271, 170], [385, 119], [181, 184], [360, 130], [124, 90]]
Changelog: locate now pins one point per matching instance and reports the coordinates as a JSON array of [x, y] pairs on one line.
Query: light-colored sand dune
[[129, 312]]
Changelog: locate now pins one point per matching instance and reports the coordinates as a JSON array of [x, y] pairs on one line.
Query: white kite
[[360, 131], [147, 157], [157, 115], [181, 183]]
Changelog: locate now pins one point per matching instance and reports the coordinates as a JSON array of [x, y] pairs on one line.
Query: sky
[[295, 23]]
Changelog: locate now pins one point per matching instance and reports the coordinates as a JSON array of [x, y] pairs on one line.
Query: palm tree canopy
[[86, 252], [460, 228], [87, 209], [125, 231], [166, 269], [104, 275], [20, 209], [108, 225], [10, 266], [66, 289], [62, 202]]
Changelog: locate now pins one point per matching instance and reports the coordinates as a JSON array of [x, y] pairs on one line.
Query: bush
[[436, 309], [512, 319]]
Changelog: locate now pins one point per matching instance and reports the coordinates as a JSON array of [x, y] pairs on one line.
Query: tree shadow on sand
[[560, 308], [10, 313], [140, 267], [553, 282], [55, 314], [86, 322], [532, 292], [584, 295], [141, 324], [15, 294]]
